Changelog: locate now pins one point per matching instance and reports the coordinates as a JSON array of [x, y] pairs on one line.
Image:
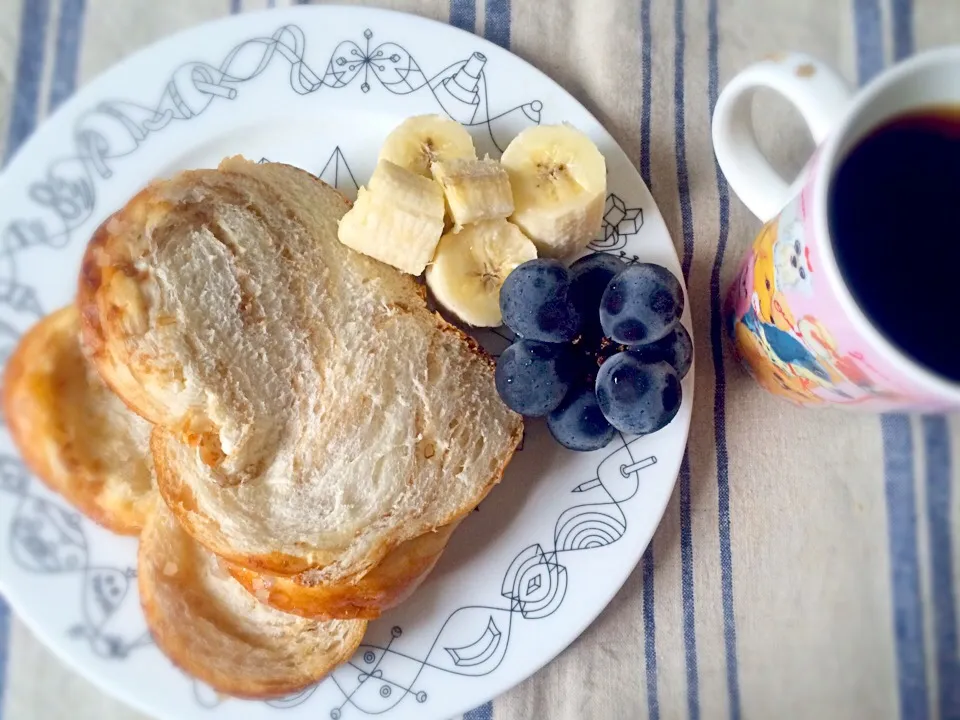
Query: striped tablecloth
[[807, 564]]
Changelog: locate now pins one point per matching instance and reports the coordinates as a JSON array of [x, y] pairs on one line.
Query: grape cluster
[[599, 347]]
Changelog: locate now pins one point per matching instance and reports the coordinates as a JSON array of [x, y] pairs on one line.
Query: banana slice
[[397, 218], [423, 139], [475, 189], [471, 265], [559, 181]]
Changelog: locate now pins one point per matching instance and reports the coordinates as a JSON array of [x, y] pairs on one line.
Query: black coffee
[[895, 221]]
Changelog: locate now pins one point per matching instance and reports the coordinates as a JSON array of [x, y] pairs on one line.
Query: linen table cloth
[[807, 564]]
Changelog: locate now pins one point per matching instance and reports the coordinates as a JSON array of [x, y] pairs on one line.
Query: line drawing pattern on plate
[[47, 538], [65, 199], [337, 173], [620, 224], [474, 639], [460, 89]]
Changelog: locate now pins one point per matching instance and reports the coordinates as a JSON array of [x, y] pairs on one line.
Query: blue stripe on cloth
[[686, 217], [869, 29], [66, 60], [496, 26], [234, 7], [646, 89], [650, 634], [484, 712], [687, 592], [902, 28], [647, 564], [904, 565], [680, 140], [936, 442], [26, 96], [463, 14], [898, 464], [720, 386]]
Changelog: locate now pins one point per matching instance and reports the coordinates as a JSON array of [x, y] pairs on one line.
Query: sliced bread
[[88, 446], [387, 585], [213, 629], [74, 433], [312, 412]]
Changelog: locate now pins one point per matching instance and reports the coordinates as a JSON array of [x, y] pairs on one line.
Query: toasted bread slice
[[311, 411], [88, 446], [387, 585], [74, 433], [213, 629]]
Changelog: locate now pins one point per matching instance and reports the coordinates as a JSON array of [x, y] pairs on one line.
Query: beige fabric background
[[821, 613]]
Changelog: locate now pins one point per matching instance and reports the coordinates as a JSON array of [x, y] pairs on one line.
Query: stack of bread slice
[[293, 434]]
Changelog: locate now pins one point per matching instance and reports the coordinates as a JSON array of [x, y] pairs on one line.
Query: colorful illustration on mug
[[777, 331], [791, 261]]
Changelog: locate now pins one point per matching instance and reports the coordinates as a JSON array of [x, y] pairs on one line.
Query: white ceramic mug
[[792, 317]]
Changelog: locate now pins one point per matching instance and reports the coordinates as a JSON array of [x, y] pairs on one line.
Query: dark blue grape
[[578, 423], [536, 303], [641, 304], [637, 398], [590, 276], [676, 348], [533, 377]]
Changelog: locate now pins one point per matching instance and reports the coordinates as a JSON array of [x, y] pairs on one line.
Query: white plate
[[320, 88]]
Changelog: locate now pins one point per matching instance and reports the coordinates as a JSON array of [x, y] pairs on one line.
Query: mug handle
[[818, 92]]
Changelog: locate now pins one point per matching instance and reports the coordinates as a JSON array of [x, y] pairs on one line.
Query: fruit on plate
[[470, 266], [628, 382], [397, 219], [422, 140], [559, 181], [536, 302], [589, 277], [675, 348], [533, 377], [578, 423], [641, 305], [475, 190], [635, 397]]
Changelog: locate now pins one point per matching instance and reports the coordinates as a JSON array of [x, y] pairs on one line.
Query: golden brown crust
[[112, 304], [59, 415], [385, 586], [90, 280], [213, 630]]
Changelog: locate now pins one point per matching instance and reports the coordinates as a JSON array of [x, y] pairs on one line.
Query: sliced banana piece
[[475, 190], [424, 139], [471, 265], [397, 218], [559, 181]]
